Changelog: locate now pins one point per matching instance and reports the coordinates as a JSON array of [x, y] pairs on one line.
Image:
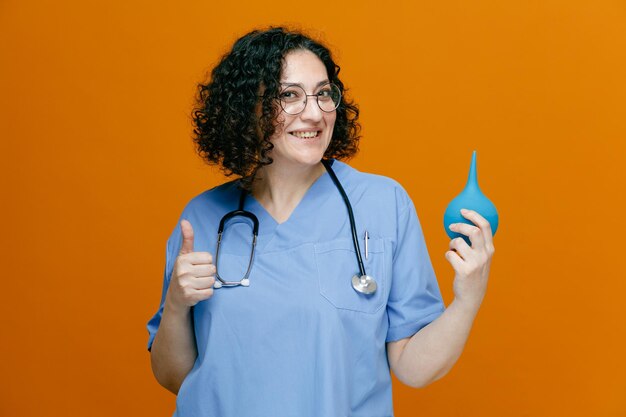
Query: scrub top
[[300, 341]]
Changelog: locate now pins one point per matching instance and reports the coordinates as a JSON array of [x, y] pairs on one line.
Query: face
[[301, 140]]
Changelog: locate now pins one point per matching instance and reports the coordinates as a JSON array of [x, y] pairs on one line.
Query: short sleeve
[[414, 299], [172, 248]]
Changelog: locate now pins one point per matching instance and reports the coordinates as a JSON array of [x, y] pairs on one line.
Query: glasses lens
[[329, 97], [292, 99]]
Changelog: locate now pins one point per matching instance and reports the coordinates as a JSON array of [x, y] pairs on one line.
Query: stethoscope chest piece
[[364, 284]]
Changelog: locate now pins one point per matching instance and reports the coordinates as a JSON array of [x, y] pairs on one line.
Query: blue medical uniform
[[299, 341]]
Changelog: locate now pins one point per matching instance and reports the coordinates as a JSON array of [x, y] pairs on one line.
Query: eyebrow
[[302, 85]]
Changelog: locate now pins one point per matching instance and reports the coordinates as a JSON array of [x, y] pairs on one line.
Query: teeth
[[304, 135]]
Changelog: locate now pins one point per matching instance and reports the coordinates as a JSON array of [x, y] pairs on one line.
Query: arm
[[431, 352], [174, 350]]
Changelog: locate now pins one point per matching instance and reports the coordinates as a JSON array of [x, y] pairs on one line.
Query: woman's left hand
[[471, 263]]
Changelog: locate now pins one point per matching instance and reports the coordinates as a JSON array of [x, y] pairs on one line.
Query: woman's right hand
[[193, 275]]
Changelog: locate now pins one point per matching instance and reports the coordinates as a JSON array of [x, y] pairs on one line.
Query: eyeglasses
[[293, 98]]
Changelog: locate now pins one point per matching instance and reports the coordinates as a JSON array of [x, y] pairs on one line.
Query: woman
[[301, 336]]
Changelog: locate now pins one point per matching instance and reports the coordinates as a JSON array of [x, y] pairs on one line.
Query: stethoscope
[[361, 282]]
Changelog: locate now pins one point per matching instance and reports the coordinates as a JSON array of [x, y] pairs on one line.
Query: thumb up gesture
[[193, 275]]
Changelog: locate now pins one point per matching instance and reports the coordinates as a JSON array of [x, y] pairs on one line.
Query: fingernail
[[452, 226], [464, 211]]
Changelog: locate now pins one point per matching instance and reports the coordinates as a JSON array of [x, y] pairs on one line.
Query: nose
[[311, 110]]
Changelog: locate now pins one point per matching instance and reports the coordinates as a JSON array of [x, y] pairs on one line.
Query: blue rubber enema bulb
[[473, 199]]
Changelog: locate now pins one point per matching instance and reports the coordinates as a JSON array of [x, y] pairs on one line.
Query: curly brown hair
[[227, 129]]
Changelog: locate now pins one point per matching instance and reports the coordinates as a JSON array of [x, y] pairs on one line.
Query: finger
[[202, 270], [479, 221], [202, 283], [455, 260], [197, 258], [474, 233], [187, 232], [204, 294], [461, 247]]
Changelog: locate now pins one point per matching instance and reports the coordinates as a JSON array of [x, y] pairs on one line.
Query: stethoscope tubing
[[363, 279], [255, 232], [355, 238]]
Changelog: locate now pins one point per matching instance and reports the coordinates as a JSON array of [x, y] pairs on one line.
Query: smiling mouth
[[305, 135]]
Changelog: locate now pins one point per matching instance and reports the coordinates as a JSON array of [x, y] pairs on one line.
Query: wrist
[[468, 308], [173, 309]]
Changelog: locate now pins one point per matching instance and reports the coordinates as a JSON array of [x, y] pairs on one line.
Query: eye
[[325, 92], [290, 94]]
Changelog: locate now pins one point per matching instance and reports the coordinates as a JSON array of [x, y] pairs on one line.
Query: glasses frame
[[306, 97]]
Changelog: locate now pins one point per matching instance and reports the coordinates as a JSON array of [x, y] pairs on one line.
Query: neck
[[279, 189]]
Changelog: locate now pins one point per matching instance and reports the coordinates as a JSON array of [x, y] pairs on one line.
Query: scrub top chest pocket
[[337, 264]]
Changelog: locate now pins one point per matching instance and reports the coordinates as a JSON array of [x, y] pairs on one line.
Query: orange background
[[97, 164]]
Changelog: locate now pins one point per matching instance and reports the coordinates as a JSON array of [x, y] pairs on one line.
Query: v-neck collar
[[269, 227], [267, 217]]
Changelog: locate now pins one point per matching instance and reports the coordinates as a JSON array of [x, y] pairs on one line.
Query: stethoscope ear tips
[[244, 283]]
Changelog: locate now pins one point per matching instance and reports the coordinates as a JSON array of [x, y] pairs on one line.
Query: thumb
[[187, 231]]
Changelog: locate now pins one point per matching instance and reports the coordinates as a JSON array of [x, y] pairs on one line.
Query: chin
[[309, 161], [308, 154]]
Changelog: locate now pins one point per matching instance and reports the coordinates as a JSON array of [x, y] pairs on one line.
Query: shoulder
[[207, 208], [379, 187], [215, 198]]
